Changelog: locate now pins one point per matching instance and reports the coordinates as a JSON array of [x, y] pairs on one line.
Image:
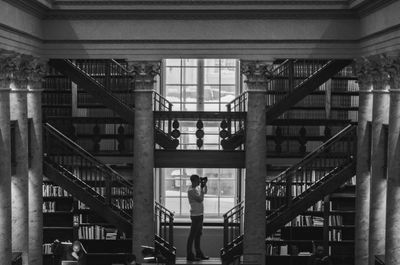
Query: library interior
[[266, 131]]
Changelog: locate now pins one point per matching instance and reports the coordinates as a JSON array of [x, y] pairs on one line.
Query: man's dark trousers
[[195, 234]]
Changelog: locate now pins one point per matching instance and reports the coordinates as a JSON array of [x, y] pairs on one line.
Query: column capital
[[393, 68], [35, 70], [379, 72], [144, 73], [362, 69], [9, 67], [257, 74]]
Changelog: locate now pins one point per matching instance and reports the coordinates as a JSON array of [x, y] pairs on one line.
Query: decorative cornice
[[220, 14], [370, 6], [32, 7]]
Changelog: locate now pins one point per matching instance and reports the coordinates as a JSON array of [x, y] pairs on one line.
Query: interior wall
[[20, 30], [163, 38]]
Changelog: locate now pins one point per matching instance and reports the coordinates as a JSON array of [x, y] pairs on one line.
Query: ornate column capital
[[35, 70], [393, 68], [144, 73], [379, 74], [257, 74], [362, 69], [10, 63]]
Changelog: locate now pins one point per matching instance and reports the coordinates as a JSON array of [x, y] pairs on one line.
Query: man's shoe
[[202, 257], [192, 258]]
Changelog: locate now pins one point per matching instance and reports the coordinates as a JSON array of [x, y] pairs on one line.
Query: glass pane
[[226, 204], [212, 62], [211, 94], [189, 107], [212, 107], [211, 75], [173, 75], [189, 76], [185, 205], [228, 93], [211, 139], [228, 173], [189, 62], [173, 93], [228, 62], [173, 204], [228, 76], [189, 94], [173, 62], [211, 204], [227, 187]]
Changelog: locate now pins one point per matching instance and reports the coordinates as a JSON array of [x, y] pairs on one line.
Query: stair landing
[[211, 261]]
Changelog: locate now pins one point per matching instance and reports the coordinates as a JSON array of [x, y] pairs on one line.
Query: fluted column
[[143, 156], [363, 177], [5, 162], [380, 113], [392, 246], [35, 72], [19, 181], [256, 75]]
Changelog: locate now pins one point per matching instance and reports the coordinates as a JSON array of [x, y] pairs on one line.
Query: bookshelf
[[68, 219], [329, 223]]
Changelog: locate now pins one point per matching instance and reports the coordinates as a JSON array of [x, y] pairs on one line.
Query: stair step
[[211, 261]]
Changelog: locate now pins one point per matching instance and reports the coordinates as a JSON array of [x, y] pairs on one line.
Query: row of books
[[124, 204], [46, 248], [335, 235], [49, 207], [50, 190], [306, 220], [97, 232], [335, 220], [57, 83]]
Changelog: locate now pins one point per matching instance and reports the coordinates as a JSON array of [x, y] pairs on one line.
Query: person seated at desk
[[318, 258], [77, 253]]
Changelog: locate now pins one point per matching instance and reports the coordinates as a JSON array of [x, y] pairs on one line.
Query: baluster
[[121, 138], [225, 231], [171, 233], [278, 139], [302, 140], [96, 138], [199, 134]]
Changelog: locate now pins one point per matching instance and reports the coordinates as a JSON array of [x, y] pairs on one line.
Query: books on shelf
[[50, 190], [49, 207], [335, 235], [91, 232], [335, 220], [306, 220], [46, 248]]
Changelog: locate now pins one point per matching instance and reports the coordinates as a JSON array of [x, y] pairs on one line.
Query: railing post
[[108, 190], [225, 231], [171, 233]]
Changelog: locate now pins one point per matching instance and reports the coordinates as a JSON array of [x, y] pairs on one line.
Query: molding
[[380, 33], [198, 2], [192, 14], [20, 32], [32, 7], [370, 6]]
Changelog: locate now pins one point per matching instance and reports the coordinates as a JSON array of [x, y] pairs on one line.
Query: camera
[[203, 181]]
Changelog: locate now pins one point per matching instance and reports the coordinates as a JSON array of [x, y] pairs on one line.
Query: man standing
[[196, 196]]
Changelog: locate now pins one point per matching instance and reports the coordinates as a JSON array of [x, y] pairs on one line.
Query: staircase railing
[[164, 226], [162, 104], [92, 175], [112, 75], [297, 179], [233, 220]]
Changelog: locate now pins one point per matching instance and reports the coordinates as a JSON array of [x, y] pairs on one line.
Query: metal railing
[[164, 225], [160, 103], [96, 177], [297, 179], [233, 220]]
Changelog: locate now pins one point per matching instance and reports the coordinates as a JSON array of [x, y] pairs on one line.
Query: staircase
[[106, 93], [332, 163], [290, 82], [92, 182]]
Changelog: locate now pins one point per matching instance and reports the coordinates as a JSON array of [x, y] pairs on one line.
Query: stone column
[[392, 246], [143, 156], [363, 175], [380, 114], [256, 76], [35, 73], [19, 181], [5, 163]]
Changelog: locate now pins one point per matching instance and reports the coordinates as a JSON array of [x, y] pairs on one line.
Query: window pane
[[189, 94], [212, 62], [211, 94], [173, 62], [173, 93], [227, 187], [189, 76], [212, 107], [173, 75], [226, 204], [211, 205], [173, 204], [228, 93], [189, 62], [211, 76]]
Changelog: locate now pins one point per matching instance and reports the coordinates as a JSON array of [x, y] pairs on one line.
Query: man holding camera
[[196, 196]]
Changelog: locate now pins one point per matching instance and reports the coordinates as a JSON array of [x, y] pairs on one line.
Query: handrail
[[317, 151], [233, 210], [83, 152], [121, 66], [163, 208]]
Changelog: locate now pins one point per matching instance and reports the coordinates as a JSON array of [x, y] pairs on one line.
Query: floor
[[211, 261]]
